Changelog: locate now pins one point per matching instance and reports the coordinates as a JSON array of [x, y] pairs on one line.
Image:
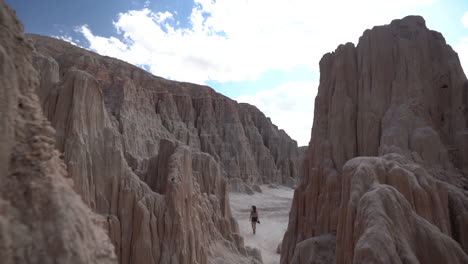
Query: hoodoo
[[42, 220], [387, 165]]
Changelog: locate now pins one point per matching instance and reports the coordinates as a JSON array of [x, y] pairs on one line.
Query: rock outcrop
[[165, 200], [239, 137], [387, 164], [156, 156], [316, 250], [42, 220]]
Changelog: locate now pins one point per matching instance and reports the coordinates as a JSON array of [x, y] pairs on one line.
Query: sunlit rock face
[[42, 220], [156, 157], [146, 109], [387, 164]]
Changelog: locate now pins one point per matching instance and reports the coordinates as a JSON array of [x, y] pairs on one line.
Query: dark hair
[[254, 208]]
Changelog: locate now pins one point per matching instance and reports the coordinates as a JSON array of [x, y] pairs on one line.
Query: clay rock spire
[[398, 101], [42, 220]]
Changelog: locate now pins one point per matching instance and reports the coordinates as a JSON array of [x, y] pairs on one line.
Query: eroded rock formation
[[147, 109], [165, 202], [153, 155], [387, 164], [42, 220]]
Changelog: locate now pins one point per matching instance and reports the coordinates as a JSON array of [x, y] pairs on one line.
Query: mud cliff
[[156, 157], [42, 220], [164, 199], [387, 165], [146, 109]]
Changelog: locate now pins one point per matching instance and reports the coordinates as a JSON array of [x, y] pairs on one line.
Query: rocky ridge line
[[240, 137]]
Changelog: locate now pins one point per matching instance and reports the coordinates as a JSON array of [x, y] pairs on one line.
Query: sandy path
[[273, 206]]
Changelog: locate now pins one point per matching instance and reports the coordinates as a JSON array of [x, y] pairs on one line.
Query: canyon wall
[[42, 220], [156, 157], [387, 165], [133, 158], [147, 109], [153, 158]]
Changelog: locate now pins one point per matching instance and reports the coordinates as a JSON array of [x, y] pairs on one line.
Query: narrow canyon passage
[[273, 206]]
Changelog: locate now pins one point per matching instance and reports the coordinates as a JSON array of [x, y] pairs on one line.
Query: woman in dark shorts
[[254, 217]]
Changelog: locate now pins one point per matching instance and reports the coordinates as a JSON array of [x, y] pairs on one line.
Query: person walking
[[254, 218]]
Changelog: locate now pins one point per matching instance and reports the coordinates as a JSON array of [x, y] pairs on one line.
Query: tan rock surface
[[42, 220], [153, 155], [399, 94], [240, 137], [316, 250], [393, 209]]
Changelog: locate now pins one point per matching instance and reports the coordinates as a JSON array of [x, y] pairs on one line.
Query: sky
[[262, 52]]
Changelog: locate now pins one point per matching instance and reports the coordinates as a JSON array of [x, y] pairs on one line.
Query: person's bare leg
[[254, 225]]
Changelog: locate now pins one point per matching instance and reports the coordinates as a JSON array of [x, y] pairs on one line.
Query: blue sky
[[264, 52]]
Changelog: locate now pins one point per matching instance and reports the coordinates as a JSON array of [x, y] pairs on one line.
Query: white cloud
[[464, 19], [239, 40], [462, 50], [290, 106], [462, 47], [68, 39]]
